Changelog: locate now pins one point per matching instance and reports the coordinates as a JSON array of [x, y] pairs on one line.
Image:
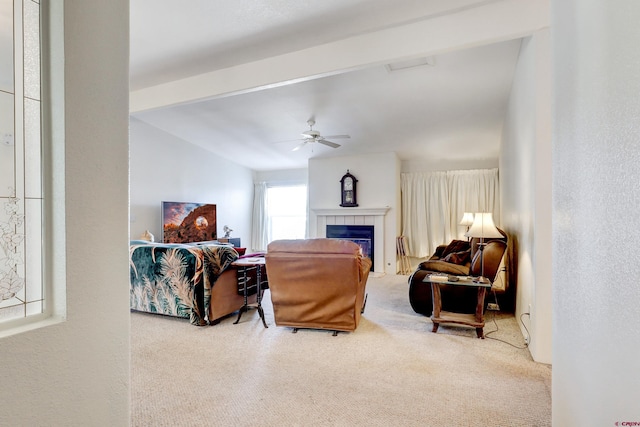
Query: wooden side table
[[475, 320], [244, 265]]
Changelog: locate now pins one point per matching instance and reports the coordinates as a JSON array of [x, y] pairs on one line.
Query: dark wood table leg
[[259, 296], [245, 306], [436, 296], [480, 312]]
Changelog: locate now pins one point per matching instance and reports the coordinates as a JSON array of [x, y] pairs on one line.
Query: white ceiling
[[451, 111]]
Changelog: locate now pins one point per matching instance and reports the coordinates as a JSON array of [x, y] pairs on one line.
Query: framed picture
[[184, 222]]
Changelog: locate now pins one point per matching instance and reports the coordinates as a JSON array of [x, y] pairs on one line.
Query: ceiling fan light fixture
[[312, 136]]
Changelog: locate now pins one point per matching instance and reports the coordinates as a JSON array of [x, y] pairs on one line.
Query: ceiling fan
[[312, 136]]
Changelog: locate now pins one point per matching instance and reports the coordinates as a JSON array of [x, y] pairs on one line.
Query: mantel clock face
[[348, 190]]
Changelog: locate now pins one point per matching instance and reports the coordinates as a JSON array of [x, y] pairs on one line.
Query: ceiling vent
[[411, 63]]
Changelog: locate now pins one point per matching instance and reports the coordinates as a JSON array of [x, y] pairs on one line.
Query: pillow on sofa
[[444, 267], [460, 258], [455, 246]]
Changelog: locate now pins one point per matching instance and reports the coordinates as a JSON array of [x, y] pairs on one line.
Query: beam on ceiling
[[476, 26]]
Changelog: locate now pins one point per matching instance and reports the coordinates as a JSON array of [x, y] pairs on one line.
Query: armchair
[[317, 283], [458, 258]]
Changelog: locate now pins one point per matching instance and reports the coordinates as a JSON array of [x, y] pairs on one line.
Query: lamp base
[[481, 279]]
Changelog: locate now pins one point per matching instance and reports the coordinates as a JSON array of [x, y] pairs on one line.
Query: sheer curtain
[[474, 191], [433, 204], [259, 239], [425, 196]]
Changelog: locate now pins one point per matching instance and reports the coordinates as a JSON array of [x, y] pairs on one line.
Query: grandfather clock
[[348, 190]]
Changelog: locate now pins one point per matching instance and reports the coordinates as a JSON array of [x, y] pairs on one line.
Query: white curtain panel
[[426, 197], [473, 191], [433, 204], [259, 224]]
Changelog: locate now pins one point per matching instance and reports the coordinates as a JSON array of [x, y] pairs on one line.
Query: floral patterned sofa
[[194, 281]]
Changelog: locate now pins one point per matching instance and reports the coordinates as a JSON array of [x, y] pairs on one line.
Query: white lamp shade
[[483, 227], [467, 219]]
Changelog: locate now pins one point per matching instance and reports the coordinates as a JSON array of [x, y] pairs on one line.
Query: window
[[22, 288], [287, 212]]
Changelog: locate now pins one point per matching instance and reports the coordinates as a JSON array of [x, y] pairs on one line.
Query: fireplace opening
[[360, 234]]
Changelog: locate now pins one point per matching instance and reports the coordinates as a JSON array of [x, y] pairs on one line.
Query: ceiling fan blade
[[328, 143], [337, 136], [299, 146]]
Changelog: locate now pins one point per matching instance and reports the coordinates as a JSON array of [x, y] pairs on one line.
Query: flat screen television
[[184, 222]]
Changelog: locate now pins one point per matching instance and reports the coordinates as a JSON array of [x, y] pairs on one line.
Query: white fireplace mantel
[[351, 211], [356, 216]]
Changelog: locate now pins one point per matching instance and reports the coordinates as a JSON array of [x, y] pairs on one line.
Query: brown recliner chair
[[317, 283], [458, 258]]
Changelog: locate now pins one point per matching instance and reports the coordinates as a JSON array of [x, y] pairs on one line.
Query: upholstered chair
[[317, 283]]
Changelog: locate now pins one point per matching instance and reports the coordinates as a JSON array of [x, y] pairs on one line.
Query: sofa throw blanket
[[176, 279]]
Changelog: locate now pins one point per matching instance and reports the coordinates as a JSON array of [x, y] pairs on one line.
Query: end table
[[475, 320], [244, 265]]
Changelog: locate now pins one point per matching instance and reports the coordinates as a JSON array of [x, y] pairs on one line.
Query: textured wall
[[76, 372], [525, 181], [596, 368]]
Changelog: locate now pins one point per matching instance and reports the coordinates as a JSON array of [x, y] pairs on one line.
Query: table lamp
[[483, 228], [467, 220]]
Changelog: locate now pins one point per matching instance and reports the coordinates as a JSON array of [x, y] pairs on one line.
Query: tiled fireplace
[[371, 217], [363, 235]]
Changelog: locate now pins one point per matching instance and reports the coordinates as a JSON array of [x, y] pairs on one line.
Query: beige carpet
[[391, 371]]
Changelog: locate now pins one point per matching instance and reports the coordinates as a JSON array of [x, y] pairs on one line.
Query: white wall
[[283, 177], [378, 186], [164, 167], [76, 373], [525, 180], [596, 152]]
